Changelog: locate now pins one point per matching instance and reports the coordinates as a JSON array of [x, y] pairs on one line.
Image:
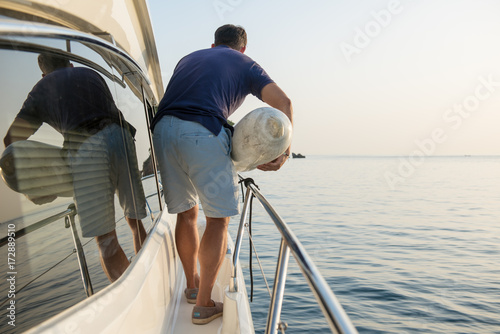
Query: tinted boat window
[[35, 252], [46, 274], [134, 112]]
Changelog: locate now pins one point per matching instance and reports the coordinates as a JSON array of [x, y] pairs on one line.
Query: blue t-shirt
[[209, 85], [71, 100]]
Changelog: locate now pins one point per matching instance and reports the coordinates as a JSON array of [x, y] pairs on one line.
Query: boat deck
[[183, 322]]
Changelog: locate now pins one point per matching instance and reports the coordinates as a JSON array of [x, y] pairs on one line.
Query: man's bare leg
[[188, 244], [138, 232], [113, 260], [212, 251]]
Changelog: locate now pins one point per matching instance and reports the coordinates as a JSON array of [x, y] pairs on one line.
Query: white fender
[[36, 169], [260, 137]]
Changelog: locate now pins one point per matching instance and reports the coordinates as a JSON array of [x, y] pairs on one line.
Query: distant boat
[[298, 155]]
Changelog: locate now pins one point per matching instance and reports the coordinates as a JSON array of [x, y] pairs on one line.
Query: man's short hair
[[49, 62], [233, 36]]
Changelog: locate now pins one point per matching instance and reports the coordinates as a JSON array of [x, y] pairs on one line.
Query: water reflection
[[97, 160]]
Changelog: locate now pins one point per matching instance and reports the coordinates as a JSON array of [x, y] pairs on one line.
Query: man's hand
[[273, 165]]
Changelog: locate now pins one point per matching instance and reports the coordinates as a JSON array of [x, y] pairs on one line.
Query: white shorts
[[196, 164], [105, 164]]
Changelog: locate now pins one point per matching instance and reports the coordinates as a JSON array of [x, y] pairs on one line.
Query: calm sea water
[[419, 256]]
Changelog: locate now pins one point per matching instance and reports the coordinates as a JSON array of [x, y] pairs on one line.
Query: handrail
[[69, 222], [40, 224], [34, 29], [69, 217], [337, 319], [121, 60], [7, 44], [237, 245], [82, 262]]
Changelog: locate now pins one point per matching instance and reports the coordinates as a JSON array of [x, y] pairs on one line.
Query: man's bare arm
[[20, 129], [276, 98]]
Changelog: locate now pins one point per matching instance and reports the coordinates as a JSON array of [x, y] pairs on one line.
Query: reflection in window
[[73, 136]]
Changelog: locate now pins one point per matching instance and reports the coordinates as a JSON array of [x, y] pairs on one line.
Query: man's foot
[[191, 295], [203, 315]]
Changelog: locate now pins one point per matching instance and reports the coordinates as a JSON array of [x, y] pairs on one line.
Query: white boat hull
[[148, 297]]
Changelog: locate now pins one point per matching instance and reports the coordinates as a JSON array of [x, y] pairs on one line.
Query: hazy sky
[[408, 77]]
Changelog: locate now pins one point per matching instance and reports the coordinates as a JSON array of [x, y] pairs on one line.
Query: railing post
[[337, 319], [239, 237], [82, 263], [278, 289]]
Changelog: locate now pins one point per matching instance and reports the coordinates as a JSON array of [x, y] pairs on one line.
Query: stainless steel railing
[[69, 219], [69, 222], [337, 319], [39, 224], [82, 262]]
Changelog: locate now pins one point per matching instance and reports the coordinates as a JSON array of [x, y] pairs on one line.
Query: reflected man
[[99, 148]]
